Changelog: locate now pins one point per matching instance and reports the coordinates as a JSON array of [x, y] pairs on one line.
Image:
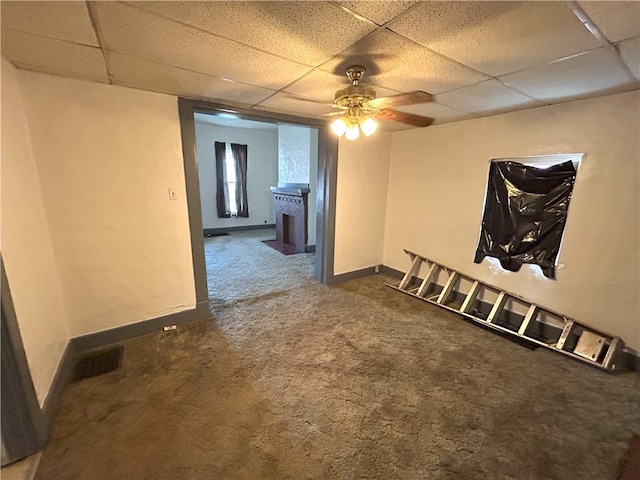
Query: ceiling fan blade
[[403, 117], [410, 98]]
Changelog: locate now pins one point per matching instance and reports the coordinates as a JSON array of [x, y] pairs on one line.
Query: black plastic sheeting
[[524, 214]]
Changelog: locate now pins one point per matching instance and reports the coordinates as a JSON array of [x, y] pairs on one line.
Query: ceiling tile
[[489, 97], [61, 20], [630, 53], [398, 64], [138, 73], [379, 12], [296, 105], [497, 37], [440, 113], [47, 55], [390, 126], [128, 30], [616, 20], [594, 73], [323, 85], [307, 32]]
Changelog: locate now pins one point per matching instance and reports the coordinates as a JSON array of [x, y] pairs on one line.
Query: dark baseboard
[[217, 231], [61, 378], [310, 249], [107, 337], [345, 277], [392, 272]]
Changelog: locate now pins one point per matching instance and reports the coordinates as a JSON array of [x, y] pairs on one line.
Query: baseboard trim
[[345, 277], [392, 272], [310, 249], [103, 338], [214, 231]]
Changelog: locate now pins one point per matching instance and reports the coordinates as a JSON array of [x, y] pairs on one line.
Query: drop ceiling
[[476, 58]]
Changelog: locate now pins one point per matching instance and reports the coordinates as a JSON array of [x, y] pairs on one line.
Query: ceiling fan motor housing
[[354, 95]]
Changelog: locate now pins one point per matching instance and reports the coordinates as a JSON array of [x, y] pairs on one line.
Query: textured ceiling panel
[[53, 56], [61, 20], [261, 54], [590, 74], [630, 53], [308, 32], [138, 73], [616, 20], [322, 85], [488, 97], [305, 107], [401, 65], [497, 37], [128, 30], [440, 113], [379, 12]]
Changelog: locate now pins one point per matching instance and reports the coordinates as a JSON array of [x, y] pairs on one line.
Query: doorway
[[327, 149]]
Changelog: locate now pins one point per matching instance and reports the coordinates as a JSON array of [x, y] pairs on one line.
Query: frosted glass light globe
[[369, 126], [353, 132], [339, 127]]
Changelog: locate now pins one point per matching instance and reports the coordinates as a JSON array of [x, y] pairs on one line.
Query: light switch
[[172, 194]]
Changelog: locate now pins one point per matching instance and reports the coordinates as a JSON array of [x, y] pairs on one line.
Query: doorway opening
[[259, 226]]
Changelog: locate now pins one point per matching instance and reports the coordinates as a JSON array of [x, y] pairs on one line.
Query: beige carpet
[[355, 381]]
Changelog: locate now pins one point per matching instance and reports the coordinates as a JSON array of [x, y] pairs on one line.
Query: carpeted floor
[[355, 381]]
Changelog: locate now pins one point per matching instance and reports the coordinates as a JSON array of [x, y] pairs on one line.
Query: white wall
[[298, 163], [26, 244], [106, 157], [361, 200], [437, 183], [262, 172]]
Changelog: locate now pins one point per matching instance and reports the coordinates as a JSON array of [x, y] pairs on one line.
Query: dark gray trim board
[[23, 428], [61, 378], [107, 337], [215, 231], [345, 277]]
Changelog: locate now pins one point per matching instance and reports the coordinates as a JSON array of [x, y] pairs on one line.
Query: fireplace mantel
[[290, 200]]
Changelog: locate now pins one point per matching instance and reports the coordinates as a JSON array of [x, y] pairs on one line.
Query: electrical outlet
[[172, 194], [168, 328]]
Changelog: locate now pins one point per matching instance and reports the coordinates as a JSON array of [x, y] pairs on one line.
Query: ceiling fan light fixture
[[353, 131], [339, 127], [368, 126]]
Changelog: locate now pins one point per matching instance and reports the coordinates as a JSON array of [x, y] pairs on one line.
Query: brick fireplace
[[290, 201]]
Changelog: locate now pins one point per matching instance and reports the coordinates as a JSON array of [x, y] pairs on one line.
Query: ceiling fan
[[360, 106]]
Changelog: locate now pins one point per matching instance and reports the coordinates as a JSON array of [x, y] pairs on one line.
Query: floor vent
[[100, 362]]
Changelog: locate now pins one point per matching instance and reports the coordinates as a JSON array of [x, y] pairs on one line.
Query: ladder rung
[[531, 314], [471, 297], [497, 307], [428, 279], [448, 287], [566, 331], [413, 271]]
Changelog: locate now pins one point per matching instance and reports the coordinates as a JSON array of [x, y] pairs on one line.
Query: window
[[526, 205], [231, 180]]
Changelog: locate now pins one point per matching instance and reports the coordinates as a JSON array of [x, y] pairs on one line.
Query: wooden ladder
[[573, 339]]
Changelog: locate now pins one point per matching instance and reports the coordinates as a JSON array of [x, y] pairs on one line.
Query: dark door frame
[[325, 199], [22, 420]]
